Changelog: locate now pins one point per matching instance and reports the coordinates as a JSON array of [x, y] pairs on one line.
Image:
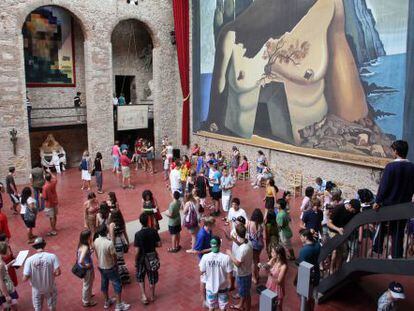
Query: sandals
[[174, 250]]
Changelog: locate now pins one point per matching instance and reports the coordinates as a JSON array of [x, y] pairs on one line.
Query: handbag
[[157, 215], [125, 246], [93, 172], [78, 270], [152, 262]]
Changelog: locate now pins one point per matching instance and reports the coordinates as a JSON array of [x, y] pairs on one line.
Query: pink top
[[115, 151], [244, 167], [272, 284]]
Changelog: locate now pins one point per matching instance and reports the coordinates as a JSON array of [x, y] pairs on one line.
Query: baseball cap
[[215, 245], [396, 290], [39, 241]]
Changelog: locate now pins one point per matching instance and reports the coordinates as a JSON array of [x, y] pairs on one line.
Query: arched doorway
[[132, 48], [53, 43]]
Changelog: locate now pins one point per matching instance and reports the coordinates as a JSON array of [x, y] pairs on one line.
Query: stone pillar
[[13, 112], [98, 85], [165, 94]]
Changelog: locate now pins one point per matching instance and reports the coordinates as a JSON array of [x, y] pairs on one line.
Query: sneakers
[[109, 303], [122, 306]]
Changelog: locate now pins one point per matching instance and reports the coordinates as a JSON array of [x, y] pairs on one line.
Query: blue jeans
[[113, 276], [115, 159], [99, 179], [40, 203]]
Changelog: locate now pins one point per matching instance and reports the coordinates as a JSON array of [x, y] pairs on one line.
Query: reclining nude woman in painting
[[291, 55]]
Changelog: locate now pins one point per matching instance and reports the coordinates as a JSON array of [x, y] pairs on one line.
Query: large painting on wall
[[49, 56], [325, 78]]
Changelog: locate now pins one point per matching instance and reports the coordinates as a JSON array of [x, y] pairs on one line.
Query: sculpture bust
[[148, 90]]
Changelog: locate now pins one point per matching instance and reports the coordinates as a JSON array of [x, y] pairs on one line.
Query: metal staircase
[[361, 255]]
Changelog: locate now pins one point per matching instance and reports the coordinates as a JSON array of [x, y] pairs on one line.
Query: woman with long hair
[[189, 209], [117, 233], [91, 207], [104, 214], [112, 201], [306, 202], [28, 212], [255, 228], [84, 260], [277, 268], [149, 207], [98, 167]]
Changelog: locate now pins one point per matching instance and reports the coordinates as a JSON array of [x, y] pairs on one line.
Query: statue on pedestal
[[52, 154]]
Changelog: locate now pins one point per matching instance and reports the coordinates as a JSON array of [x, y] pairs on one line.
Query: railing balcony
[[57, 116], [374, 242]]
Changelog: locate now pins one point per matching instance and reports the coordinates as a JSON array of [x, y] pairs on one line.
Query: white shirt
[[210, 177], [175, 180], [23, 207], [225, 182], [166, 164], [115, 101], [216, 266], [40, 268], [244, 253], [232, 216]]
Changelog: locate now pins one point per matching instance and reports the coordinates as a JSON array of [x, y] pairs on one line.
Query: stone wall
[[97, 19], [349, 178]]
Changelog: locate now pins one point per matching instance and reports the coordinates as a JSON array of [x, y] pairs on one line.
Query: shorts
[[50, 212], [270, 203], [28, 224], [142, 271], [174, 229], [286, 242], [126, 172], [217, 300], [86, 175], [37, 299], [14, 296], [216, 195], [244, 284], [341, 250], [113, 276]]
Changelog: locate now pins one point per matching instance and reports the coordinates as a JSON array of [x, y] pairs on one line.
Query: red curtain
[[182, 34]]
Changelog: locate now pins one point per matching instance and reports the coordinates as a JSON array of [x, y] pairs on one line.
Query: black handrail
[[389, 213]]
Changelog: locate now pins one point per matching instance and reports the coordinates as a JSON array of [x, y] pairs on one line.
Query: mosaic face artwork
[[324, 78], [49, 48]]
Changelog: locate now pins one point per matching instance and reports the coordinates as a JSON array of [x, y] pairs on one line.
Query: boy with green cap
[[217, 268]]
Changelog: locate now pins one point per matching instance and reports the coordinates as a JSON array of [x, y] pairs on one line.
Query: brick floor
[[178, 288]]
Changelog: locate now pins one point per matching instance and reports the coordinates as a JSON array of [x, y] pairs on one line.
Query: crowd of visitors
[[201, 185]]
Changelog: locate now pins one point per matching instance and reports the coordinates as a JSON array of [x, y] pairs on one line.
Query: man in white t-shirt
[[41, 269], [234, 212], [175, 178], [217, 268], [242, 258]]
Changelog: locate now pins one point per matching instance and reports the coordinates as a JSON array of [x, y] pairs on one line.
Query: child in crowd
[[166, 167], [235, 160]]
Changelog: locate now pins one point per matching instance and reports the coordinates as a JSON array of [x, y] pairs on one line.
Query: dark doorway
[[124, 84], [129, 137]]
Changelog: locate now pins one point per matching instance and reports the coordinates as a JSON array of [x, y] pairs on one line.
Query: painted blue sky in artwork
[[391, 18], [207, 49]]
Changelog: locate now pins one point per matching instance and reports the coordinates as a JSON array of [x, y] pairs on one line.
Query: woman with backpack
[[28, 212], [190, 217], [255, 229], [84, 260], [86, 168], [117, 233]]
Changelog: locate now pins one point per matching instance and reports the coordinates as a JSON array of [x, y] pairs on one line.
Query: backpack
[[29, 215], [190, 220], [256, 239]]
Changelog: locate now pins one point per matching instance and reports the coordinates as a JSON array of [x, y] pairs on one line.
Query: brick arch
[[147, 25], [77, 14]]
